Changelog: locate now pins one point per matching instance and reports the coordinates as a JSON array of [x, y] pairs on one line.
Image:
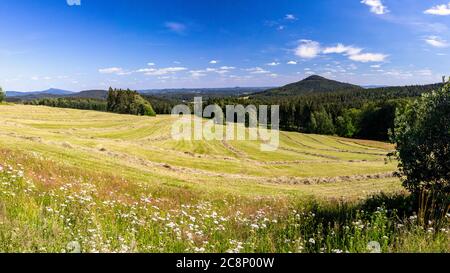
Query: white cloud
[[424, 72], [151, 64], [228, 67], [214, 62], [376, 6], [159, 71], [292, 63], [165, 71], [273, 64], [368, 57], [74, 2], [203, 72], [257, 70], [342, 49], [145, 70], [436, 41], [442, 10], [290, 17], [178, 28], [375, 66], [308, 49], [111, 70], [197, 73]]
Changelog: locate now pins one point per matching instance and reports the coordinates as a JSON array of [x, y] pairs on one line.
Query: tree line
[[366, 113], [73, 103], [118, 101]]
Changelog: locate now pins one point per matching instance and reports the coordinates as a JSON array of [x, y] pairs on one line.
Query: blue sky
[[90, 44]]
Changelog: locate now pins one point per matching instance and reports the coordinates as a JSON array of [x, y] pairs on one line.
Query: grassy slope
[[141, 149], [117, 183]]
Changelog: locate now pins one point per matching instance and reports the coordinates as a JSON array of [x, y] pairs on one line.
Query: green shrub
[[422, 137]]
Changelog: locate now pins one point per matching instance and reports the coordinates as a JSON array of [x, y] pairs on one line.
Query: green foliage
[[422, 137], [321, 123], [128, 102], [2, 95], [345, 125], [73, 103], [81, 217], [354, 111]]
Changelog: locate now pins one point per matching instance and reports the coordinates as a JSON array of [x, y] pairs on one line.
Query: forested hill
[[319, 88], [354, 112], [310, 85]]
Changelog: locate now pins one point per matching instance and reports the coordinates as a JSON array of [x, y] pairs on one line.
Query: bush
[[422, 137]]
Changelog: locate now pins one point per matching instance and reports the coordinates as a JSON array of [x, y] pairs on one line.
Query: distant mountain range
[[311, 85], [185, 93], [51, 91]]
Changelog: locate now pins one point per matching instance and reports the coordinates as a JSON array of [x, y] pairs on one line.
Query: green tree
[[322, 123], [345, 126], [128, 102], [422, 138], [2, 95]]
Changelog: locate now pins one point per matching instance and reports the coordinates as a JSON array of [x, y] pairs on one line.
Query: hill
[[14, 96], [79, 138], [311, 85], [90, 94], [51, 91]]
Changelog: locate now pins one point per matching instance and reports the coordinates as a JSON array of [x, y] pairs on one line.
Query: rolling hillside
[[87, 181], [139, 148], [311, 85]]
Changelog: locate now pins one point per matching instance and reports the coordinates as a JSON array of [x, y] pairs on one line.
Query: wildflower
[[199, 249], [374, 247], [73, 247]]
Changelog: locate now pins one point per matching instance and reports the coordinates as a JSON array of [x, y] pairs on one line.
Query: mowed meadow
[[85, 181]]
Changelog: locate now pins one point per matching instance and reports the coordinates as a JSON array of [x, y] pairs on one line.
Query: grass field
[[98, 182]]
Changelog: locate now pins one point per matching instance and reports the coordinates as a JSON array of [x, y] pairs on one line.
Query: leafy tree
[[2, 95], [345, 125], [422, 137], [322, 123], [128, 102]]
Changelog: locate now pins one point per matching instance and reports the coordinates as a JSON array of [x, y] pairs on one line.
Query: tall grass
[[79, 216]]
